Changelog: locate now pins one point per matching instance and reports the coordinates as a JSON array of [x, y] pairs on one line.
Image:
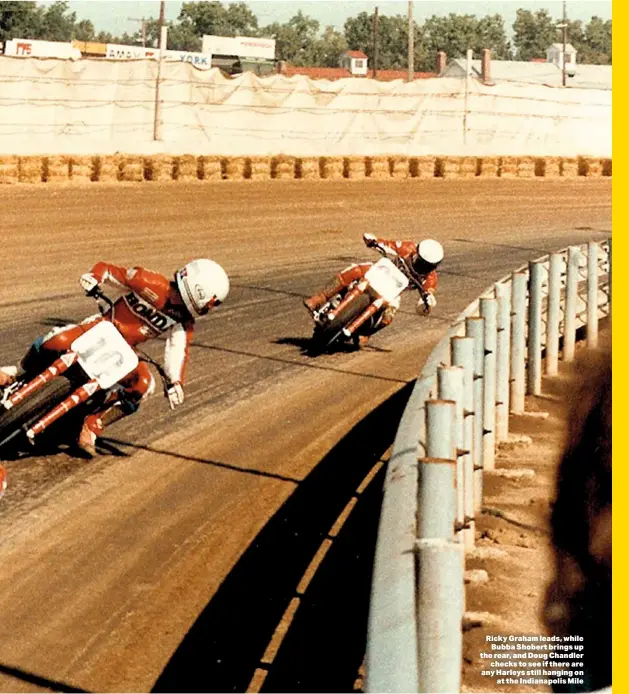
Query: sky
[[117, 16]]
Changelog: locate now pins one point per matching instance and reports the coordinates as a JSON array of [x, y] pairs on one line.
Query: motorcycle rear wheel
[[18, 419], [325, 336]]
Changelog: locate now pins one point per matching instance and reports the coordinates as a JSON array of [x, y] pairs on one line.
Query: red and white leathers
[[406, 250], [153, 307]]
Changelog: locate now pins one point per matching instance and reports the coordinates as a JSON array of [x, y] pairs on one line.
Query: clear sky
[[113, 15]]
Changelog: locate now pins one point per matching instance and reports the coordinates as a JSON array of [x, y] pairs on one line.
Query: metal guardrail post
[[570, 308], [440, 593], [463, 355], [475, 328], [489, 310], [503, 338], [518, 342], [552, 321], [450, 380], [437, 473], [592, 288], [534, 364]]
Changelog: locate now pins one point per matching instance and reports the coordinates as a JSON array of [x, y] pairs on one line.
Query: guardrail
[[493, 355]]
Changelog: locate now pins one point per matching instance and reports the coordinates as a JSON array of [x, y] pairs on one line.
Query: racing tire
[[325, 336], [18, 419]]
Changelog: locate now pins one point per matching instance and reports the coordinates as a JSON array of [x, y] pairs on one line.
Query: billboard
[[120, 52], [26, 48], [242, 46]]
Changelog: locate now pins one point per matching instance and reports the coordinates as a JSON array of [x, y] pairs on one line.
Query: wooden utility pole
[[411, 42], [375, 44], [162, 53], [565, 41]]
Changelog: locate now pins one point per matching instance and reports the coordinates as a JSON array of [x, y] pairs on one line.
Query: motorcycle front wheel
[[326, 335]]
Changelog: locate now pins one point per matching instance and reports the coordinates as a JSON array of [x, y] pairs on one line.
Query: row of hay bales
[[187, 167]]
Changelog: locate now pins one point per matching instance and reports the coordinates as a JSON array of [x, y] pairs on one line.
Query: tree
[[597, 49], [328, 50], [57, 23], [236, 19], [392, 40], [534, 32], [19, 20], [457, 33], [296, 40]]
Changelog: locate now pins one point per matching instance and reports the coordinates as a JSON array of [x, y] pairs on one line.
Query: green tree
[[455, 34], [327, 50], [533, 33], [597, 49], [19, 20], [295, 41], [235, 19], [57, 22]]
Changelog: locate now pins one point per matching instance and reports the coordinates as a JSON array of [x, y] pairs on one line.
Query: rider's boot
[[316, 301], [94, 425]]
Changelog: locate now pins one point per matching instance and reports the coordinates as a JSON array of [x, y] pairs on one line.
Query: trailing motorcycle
[[77, 379], [359, 309]]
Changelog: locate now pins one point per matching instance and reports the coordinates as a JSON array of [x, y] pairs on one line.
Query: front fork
[[80, 395]]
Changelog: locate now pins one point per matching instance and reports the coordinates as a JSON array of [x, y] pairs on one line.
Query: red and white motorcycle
[[81, 376], [359, 309]]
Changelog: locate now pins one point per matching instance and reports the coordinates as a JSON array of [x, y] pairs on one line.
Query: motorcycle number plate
[[104, 354], [386, 280]]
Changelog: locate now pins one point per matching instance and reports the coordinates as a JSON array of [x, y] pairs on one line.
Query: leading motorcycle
[[359, 309]]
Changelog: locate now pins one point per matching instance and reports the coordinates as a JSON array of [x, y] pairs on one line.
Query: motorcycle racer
[[421, 260], [154, 306]]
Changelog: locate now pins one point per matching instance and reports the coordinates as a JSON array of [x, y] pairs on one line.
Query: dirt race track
[[169, 562]]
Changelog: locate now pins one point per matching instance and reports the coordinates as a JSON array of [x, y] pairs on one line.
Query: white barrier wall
[[96, 106]]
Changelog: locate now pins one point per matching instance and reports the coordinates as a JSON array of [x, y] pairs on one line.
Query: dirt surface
[[170, 562]]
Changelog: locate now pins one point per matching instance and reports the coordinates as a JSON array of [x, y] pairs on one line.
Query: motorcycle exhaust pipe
[[364, 316]]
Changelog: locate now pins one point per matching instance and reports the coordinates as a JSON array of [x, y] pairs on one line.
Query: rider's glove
[[88, 283], [431, 300], [370, 240], [175, 395]]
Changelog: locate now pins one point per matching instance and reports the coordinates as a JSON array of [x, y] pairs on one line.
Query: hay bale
[[108, 168], [489, 167], [186, 168], [552, 167], [132, 168], [57, 169], [508, 167], [378, 168], [211, 168], [526, 167], [355, 168], [422, 167], [9, 169], [81, 169], [468, 167], [400, 166], [332, 168], [283, 167], [569, 167], [235, 168], [308, 168], [448, 167], [159, 167], [607, 167], [31, 170], [259, 168]]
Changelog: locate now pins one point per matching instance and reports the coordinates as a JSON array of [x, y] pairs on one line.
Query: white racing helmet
[[203, 284], [429, 255]]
